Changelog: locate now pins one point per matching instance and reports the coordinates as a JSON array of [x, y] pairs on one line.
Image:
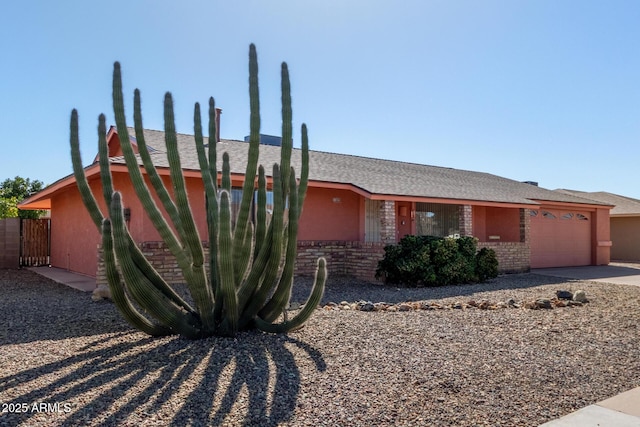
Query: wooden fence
[[34, 242]]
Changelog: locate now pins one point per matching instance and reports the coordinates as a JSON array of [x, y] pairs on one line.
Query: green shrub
[[486, 264], [436, 261]]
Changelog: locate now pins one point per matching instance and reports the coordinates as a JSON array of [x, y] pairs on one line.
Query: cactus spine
[[249, 281]]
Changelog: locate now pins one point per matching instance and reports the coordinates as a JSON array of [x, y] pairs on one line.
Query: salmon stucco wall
[[492, 224], [74, 237], [330, 214], [601, 237]]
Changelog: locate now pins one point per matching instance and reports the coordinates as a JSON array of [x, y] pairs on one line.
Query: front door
[[403, 219]]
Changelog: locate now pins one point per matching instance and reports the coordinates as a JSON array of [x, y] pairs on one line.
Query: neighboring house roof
[[372, 177], [623, 206]]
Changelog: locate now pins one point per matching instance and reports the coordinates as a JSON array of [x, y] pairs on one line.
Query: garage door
[[560, 238]]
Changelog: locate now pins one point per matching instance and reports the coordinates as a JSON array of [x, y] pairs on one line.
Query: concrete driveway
[[618, 273]]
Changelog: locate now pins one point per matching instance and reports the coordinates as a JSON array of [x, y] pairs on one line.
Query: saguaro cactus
[[249, 281]]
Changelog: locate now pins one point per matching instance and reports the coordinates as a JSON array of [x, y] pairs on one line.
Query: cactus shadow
[[130, 378]]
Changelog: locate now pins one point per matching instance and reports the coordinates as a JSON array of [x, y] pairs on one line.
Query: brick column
[[465, 220], [388, 221], [525, 225]]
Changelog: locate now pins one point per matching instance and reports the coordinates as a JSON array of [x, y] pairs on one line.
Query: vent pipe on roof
[[534, 183]]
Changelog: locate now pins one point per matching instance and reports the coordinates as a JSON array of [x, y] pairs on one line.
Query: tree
[[13, 191]]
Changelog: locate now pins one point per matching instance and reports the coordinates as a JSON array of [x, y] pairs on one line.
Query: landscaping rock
[[564, 294], [404, 307], [580, 296], [544, 303], [100, 293], [294, 306], [365, 306]]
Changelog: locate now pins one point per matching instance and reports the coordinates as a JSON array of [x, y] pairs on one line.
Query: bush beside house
[[436, 261]]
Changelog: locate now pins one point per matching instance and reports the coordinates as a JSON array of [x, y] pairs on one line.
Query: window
[[567, 216], [533, 213], [372, 220], [236, 200], [434, 219], [581, 217], [549, 215]]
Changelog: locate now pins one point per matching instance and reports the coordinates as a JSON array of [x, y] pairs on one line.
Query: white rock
[[100, 293], [580, 296]]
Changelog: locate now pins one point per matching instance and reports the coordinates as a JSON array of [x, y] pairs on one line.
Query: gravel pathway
[[66, 360]]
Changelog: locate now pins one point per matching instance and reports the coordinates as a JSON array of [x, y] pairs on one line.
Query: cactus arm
[[280, 299], [92, 206], [152, 173], [304, 172], [287, 127], [226, 173], [137, 181], [88, 199], [209, 180], [191, 238], [308, 309], [245, 257], [227, 285], [212, 202], [143, 291], [261, 211], [242, 221], [253, 280], [103, 160], [269, 280], [119, 296], [194, 273]]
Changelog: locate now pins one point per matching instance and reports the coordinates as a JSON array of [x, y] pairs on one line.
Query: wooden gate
[[34, 242]]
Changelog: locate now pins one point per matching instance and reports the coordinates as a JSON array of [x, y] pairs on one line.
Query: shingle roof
[[624, 206], [375, 176]]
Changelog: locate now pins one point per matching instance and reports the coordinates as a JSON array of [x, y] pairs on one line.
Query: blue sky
[[541, 90]]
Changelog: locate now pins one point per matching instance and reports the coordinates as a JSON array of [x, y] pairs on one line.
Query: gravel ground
[[81, 365]]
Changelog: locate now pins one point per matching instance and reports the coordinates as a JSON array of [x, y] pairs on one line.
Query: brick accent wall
[[388, 221], [513, 257], [465, 220], [525, 226], [10, 243], [356, 259]]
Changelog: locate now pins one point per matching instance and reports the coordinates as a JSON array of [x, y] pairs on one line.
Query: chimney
[[218, 113], [534, 183]]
